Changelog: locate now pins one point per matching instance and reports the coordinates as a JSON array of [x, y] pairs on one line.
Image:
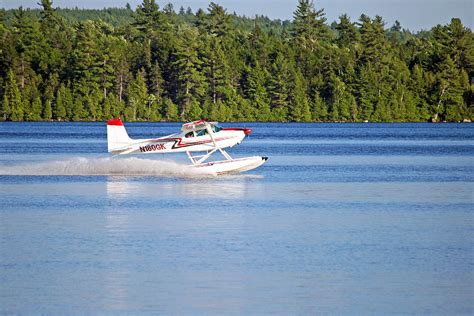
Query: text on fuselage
[[153, 147]]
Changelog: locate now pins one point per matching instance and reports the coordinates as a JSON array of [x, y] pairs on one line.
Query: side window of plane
[[201, 132]]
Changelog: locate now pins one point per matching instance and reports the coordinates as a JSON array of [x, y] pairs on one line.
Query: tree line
[[158, 64]]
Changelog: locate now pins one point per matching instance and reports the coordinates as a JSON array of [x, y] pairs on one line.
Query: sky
[[414, 15]]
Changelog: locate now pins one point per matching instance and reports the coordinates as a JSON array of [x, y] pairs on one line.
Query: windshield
[[202, 132]]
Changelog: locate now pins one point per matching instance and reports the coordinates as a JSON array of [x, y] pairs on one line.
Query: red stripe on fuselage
[[179, 144]]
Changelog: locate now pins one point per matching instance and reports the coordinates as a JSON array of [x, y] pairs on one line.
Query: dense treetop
[[154, 63]]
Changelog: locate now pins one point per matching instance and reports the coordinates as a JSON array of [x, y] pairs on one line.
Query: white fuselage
[[181, 143]]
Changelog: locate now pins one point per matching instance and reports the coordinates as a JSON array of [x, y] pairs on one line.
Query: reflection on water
[[217, 189], [119, 187], [230, 187], [114, 280]]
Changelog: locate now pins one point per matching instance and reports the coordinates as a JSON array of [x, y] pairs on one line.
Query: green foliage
[[78, 109], [34, 114], [347, 32], [147, 17], [309, 26], [156, 64], [319, 109], [113, 107], [217, 22], [47, 111], [170, 110], [62, 102], [448, 86], [299, 104], [189, 77], [279, 87], [138, 98], [13, 105]]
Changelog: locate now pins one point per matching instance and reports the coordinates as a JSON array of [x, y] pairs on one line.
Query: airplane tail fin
[[117, 136]]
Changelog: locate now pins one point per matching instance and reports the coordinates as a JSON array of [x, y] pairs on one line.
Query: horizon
[[411, 15]]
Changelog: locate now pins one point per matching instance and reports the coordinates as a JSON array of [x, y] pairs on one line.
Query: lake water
[[342, 219]]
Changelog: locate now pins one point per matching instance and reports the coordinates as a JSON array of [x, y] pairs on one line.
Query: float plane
[[198, 139]]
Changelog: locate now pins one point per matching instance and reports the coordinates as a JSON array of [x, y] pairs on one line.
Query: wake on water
[[83, 166]]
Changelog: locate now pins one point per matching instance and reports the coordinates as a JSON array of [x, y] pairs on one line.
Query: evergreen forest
[[153, 63]]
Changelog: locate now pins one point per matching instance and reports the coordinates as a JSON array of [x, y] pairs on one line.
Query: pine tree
[[108, 61], [201, 20], [85, 59], [255, 91], [410, 108], [309, 25], [380, 113], [299, 104], [13, 106], [78, 113], [109, 106], [5, 110], [195, 111], [138, 97], [450, 100], [170, 110], [240, 108], [457, 41], [56, 39], [68, 101], [420, 94], [113, 107], [347, 32], [29, 46], [190, 79], [122, 76], [218, 21], [47, 111], [156, 82], [153, 112], [92, 103], [147, 17], [310, 36], [367, 92], [217, 70], [319, 108], [36, 108], [59, 111], [374, 40], [342, 102], [353, 109], [278, 88]]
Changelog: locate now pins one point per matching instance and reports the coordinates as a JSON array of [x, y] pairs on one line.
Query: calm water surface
[[342, 219]]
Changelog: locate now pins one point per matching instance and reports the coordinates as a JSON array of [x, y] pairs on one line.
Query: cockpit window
[[201, 132]]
